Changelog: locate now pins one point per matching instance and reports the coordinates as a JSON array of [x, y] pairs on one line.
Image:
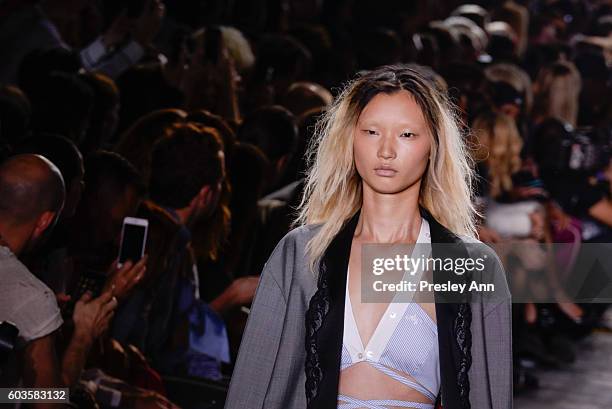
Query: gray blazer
[[290, 351]]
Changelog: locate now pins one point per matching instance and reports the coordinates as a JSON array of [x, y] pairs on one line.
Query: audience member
[[32, 197], [62, 104], [136, 143], [104, 116], [274, 131], [186, 179]]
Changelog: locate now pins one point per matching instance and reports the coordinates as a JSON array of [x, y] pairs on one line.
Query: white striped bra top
[[405, 342]]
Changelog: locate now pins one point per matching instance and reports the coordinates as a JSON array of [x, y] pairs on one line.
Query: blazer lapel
[[454, 320], [325, 322]]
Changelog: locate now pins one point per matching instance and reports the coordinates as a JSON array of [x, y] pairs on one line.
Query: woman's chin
[[388, 186]]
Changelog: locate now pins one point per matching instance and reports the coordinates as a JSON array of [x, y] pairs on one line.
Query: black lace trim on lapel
[[455, 395], [463, 336], [325, 322], [317, 310]]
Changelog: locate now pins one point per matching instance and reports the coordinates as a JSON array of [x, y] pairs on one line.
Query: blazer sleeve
[[260, 342], [498, 343]]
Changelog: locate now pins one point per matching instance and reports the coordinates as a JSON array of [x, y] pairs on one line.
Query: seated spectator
[[298, 164], [211, 81], [32, 196], [424, 47], [143, 322], [517, 16], [66, 156], [239, 49], [447, 43], [497, 146], [517, 78], [503, 42], [48, 262], [274, 130], [187, 172], [62, 104], [507, 99], [113, 191], [136, 143], [304, 96], [472, 39], [539, 56], [556, 93], [226, 129], [104, 113], [281, 61], [143, 90], [582, 194]]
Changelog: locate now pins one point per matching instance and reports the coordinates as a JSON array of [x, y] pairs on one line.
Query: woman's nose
[[386, 149]]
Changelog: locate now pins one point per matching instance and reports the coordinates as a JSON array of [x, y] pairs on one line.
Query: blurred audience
[[197, 116]]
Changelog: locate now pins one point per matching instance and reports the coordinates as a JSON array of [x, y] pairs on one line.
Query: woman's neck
[[389, 218]]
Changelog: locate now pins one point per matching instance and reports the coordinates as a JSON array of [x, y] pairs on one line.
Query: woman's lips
[[385, 172]]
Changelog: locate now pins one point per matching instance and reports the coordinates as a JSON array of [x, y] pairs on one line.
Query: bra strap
[[418, 387]]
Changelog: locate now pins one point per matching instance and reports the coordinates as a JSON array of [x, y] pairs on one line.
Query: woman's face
[[391, 143]]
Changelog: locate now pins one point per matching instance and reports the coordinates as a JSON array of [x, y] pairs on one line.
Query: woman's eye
[[369, 132], [407, 135]]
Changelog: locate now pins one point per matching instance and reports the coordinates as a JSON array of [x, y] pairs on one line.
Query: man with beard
[[32, 194]]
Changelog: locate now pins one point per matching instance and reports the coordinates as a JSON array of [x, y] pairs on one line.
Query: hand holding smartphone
[[133, 240]]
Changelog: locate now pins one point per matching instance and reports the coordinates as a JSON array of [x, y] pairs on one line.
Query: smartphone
[[133, 239], [212, 44], [89, 281]]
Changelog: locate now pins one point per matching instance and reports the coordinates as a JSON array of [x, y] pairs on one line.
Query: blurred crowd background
[[197, 115]]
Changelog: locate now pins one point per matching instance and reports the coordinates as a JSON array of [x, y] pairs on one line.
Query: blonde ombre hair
[[333, 188], [497, 141]]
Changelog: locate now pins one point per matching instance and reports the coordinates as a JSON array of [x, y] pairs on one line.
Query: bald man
[[31, 198]]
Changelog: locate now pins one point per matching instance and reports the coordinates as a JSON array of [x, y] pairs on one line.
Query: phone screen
[[132, 243]]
